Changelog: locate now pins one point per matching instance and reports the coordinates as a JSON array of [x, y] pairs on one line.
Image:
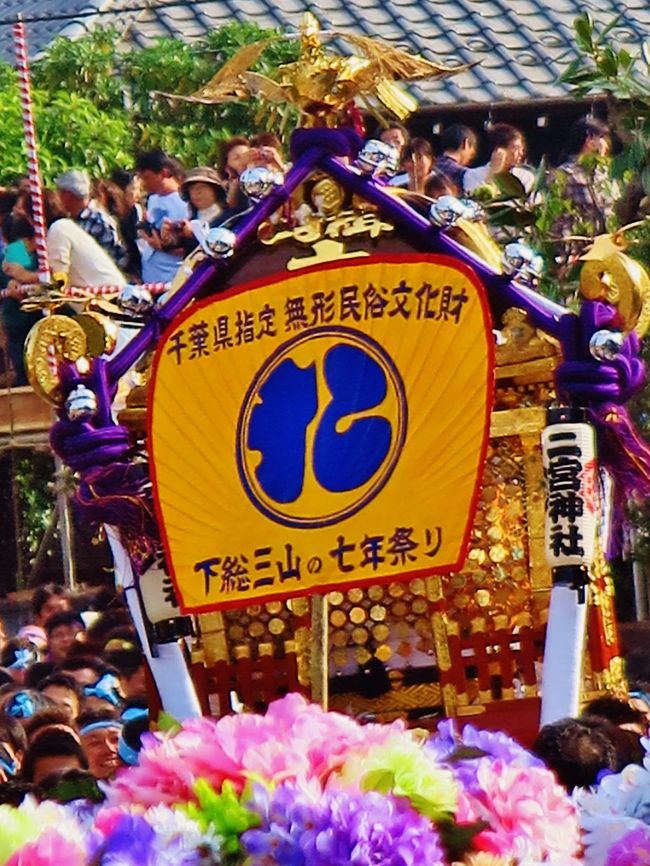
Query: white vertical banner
[[572, 494], [168, 668]]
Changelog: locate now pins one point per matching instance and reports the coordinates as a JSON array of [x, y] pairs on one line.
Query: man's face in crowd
[[100, 747], [64, 698], [467, 151], [515, 152], [152, 181], [394, 136], [55, 604], [61, 639], [135, 685], [596, 145], [83, 676]]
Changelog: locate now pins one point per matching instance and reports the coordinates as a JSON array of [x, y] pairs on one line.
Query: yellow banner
[[322, 429]]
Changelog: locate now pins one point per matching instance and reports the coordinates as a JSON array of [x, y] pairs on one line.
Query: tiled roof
[[521, 46]]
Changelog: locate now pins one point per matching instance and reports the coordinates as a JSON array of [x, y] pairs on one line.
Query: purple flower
[[496, 744], [632, 849], [129, 843], [339, 828], [444, 741], [449, 747], [456, 750]]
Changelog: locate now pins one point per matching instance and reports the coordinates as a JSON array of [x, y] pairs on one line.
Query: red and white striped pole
[[82, 292], [33, 168]]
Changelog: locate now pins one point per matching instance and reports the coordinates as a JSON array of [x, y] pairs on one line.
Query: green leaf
[[608, 62], [510, 186], [625, 59], [584, 30], [167, 724], [380, 780], [458, 838]]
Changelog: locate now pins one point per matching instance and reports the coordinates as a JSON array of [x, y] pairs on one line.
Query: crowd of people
[[135, 226], [73, 694], [73, 701], [74, 705]]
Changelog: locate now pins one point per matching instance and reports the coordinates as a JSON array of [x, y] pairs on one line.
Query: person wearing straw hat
[[207, 197], [206, 194]]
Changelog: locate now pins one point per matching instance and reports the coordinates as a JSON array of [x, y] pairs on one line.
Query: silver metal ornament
[[378, 157], [606, 345], [473, 211], [135, 300], [257, 182], [81, 403], [447, 210], [220, 242], [522, 262]]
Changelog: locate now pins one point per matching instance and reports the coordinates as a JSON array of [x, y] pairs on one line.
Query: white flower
[[177, 834], [601, 832]]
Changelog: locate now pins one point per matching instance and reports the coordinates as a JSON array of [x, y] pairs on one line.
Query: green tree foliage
[[95, 106], [72, 131], [605, 68]]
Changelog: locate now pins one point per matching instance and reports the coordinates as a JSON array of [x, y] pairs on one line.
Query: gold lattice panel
[[273, 623], [390, 623], [493, 590]]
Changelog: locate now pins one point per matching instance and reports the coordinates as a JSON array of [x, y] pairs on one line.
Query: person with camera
[[160, 232]]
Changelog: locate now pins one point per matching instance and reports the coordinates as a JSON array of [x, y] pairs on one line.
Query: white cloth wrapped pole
[[169, 670], [563, 655], [572, 518]]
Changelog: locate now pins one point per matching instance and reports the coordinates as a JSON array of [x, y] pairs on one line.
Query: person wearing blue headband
[[100, 733], [24, 703], [136, 723], [104, 694], [17, 658]]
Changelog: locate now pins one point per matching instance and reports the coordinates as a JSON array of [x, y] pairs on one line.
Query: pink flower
[[294, 739], [633, 849], [530, 815], [50, 849]]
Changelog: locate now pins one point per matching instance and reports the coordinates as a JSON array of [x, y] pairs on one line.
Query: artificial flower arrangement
[[303, 787], [615, 817]]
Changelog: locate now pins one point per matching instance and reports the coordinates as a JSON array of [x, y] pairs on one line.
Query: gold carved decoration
[[326, 236], [524, 351], [608, 274], [51, 340], [526, 360], [321, 83]]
